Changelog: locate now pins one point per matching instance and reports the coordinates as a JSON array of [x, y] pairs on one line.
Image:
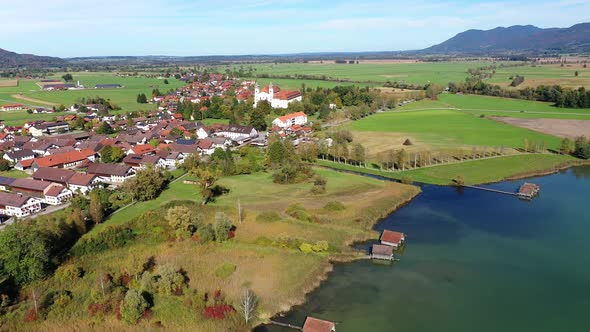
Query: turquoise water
[[475, 261]]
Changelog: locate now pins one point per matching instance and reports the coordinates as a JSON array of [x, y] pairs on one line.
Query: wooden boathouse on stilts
[[382, 251]]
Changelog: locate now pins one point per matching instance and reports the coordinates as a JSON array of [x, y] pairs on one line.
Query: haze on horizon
[[72, 28]]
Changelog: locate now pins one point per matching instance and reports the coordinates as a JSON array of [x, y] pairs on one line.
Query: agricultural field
[[260, 257], [4, 83], [414, 73], [28, 92], [445, 129], [547, 74]]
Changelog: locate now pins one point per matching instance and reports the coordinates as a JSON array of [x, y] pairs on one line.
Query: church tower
[[271, 92]]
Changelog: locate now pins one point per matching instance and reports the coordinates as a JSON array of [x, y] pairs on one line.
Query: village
[[62, 161]]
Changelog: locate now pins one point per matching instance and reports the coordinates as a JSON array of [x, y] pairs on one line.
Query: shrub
[[268, 216], [69, 273], [112, 237], [183, 220], [170, 280], [133, 307], [225, 270], [407, 180], [298, 212], [217, 311], [222, 227], [306, 248], [320, 246], [206, 233], [334, 206]]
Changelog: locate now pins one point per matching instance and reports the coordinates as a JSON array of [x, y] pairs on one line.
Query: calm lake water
[[474, 261]]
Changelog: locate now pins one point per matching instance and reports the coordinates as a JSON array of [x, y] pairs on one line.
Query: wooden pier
[[526, 191], [287, 325]]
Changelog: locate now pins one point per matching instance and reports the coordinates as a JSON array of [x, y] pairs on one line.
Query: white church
[[275, 96]]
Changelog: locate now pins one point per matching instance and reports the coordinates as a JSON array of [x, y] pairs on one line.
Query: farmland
[[414, 73], [124, 97], [549, 74], [8, 83]]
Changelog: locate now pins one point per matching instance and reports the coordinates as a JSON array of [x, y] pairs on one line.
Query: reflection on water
[[475, 261]]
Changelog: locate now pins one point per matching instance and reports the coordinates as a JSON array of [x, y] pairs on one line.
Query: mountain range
[[523, 39], [517, 39]]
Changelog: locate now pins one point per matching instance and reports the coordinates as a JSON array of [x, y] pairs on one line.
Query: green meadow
[[415, 73], [545, 75], [450, 127]]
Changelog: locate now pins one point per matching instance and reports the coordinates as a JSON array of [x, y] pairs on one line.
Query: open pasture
[[414, 73], [547, 74], [449, 128]]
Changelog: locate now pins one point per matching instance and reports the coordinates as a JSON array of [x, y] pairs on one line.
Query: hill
[[11, 59], [517, 39]]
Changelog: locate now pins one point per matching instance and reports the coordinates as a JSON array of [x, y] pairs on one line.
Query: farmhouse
[[391, 238], [18, 205], [12, 107], [113, 173], [236, 132], [83, 183], [64, 160], [275, 96], [46, 192], [16, 156], [140, 161], [289, 120]]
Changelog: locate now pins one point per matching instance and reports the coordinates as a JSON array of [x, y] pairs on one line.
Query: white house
[[18, 205], [57, 194], [113, 173], [289, 120], [275, 96], [237, 132]]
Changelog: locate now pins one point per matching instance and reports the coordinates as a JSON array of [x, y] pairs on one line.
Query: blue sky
[[69, 28]]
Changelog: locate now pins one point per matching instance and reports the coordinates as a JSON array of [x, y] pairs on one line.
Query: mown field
[[124, 97], [414, 73], [260, 254], [473, 171], [547, 74]]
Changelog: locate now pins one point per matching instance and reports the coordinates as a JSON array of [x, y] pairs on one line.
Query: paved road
[[49, 209]]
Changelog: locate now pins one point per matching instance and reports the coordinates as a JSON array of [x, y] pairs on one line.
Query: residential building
[[49, 128], [113, 173], [289, 120], [18, 205], [12, 107]]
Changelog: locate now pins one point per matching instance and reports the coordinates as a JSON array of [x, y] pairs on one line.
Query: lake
[[474, 261]]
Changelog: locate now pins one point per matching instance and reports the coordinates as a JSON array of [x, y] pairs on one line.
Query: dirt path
[[556, 127], [33, 100]]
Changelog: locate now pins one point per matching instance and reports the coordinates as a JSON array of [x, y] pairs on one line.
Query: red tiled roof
[[275, 89], [54, 190], [287, 95], [318, 325], [392, 237], [143, 149], [288, 117], [64, 158]]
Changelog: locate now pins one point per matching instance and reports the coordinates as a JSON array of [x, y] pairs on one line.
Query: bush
[[268, 216], [170, 280], [225, 270], [407, 180], [206, 233], [112, 237], [133, 307], [321, 246], [306, 248], [4, 165], [298, 212], [222, 227], [68, 273], [334, 206], [183, 220]]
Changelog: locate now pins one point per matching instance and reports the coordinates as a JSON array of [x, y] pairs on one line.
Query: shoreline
[[342, 258], [351, 258]]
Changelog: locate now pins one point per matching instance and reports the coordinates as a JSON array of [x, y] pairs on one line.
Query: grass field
[[124, 97], [549, 74], [474, 172], [447, 128], [415, 73], [14, 173], [279, 275]]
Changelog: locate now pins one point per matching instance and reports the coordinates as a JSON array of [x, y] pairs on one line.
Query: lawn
[[474, 172], [447, 128], [415, 73], [14, 173]]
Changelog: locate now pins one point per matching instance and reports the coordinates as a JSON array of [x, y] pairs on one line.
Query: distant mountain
[[10, 59], [517, 39]]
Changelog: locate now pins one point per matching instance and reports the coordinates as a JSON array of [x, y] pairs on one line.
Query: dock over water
[[526, 191]]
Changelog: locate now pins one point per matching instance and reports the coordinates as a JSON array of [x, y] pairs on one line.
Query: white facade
[[289, 120], [32, 205], [276, 99], [63, 196]]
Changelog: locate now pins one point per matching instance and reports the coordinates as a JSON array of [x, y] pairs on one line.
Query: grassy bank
[[474, 172], [264, 254]]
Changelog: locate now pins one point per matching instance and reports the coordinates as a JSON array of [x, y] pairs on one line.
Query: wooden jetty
[[526, 191]]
